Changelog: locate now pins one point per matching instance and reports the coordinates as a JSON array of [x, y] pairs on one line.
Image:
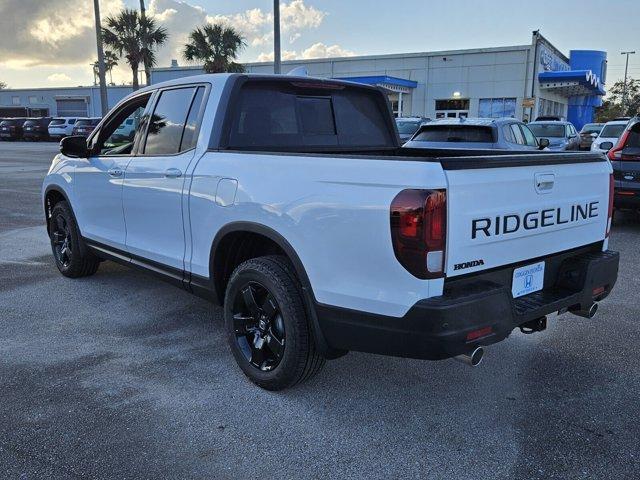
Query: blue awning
[[571, 82], [385, 81]]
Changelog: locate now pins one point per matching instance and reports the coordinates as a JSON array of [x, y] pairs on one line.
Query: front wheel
[[267, 325], [72, 257]]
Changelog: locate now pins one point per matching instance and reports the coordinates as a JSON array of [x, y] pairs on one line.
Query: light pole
[[276, 36], [626, 68], [103, 82]]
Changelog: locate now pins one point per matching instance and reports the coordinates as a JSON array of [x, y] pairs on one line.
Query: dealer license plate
[[527, 279]]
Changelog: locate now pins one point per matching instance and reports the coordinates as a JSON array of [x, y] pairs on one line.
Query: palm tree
[[217, 46], [133, 38], [110, 61]]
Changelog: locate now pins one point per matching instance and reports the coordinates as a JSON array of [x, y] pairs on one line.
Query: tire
[[268, 331], [72, 257]]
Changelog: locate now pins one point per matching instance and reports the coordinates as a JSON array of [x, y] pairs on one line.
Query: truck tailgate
[[509, 214]]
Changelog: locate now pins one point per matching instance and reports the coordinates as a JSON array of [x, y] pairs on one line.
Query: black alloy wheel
[[259, 326], [61, 240]]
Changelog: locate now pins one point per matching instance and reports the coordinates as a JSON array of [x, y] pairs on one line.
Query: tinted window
[[58, 121], [275, 116], [455, 133], [189, 137], [30, 123], [167, 122], [633, 140], [517, 134], [116, 138], [7, 123], [83, 123], [316, 115], [408, 128], [612, 131], [529, 138], [591, 128], [547, 130], [508, 134]]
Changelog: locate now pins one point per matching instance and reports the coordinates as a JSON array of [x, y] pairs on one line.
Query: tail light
[[418, 231], [616, 152], [610, 212]]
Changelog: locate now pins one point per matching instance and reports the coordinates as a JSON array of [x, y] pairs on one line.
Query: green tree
[[216, 46], [110, 61], [613, 107], [134, 39], [3, 85]]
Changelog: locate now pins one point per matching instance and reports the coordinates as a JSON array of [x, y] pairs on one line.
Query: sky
[[52, 43]]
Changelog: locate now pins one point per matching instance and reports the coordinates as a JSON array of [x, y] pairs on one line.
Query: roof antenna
[[299, 72]]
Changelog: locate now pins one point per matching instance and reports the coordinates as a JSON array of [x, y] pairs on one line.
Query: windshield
[[408, 127], [612, 131], [592, 128], [455, 133], [6, 123], [547, 130], [83, 123], [30, 123]]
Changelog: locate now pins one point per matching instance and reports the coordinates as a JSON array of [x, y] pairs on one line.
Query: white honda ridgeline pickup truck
[[289, 201]]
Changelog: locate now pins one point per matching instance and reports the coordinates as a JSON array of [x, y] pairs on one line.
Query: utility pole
[[626, 68], [143, 16], [276, 36], [104, 105]]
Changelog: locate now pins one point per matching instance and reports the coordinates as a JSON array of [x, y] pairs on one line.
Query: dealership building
[[522, 81], [58, 102]]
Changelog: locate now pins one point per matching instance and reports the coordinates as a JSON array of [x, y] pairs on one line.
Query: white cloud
[[320, 50], [59, 78], [317, 50], [35, 34]]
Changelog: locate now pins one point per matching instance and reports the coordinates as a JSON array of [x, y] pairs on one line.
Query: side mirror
[[543, 143], [74, 146], [606, 146]]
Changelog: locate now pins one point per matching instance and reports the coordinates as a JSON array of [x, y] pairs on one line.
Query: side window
[[508, 134], [167, 122], [529, 137], [190, 135], [517, 133], [118, 133]]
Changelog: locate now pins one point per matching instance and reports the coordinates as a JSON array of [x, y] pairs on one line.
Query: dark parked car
[[11, 128], [625, 159], [561, 135], [84, 126], [476, 133], [36, 128], [588, 134]]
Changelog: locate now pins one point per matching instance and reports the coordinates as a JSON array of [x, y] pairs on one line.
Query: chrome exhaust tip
[[473, 358], [589, 313]]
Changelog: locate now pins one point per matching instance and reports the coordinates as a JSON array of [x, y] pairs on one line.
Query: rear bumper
[[626, 198], [438, 327]]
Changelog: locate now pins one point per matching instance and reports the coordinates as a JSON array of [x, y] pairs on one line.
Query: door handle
[[115, 172], [172, 173]]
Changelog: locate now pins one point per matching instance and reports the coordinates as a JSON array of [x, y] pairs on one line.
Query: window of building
[[455, 104], [33, 99], [550, 108], [497, 107], [15, 100]]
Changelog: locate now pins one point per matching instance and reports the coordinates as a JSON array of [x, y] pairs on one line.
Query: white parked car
[[289, 201], [61, 127], [610, 133]]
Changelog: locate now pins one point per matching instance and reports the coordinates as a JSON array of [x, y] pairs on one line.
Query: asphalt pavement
[[120, 375]]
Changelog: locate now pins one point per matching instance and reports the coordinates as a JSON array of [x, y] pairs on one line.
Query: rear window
[[288, 116], [57, 121], [83, 123], [30, 123], [591, 128], [455, 133], [7, 123], [408, 128], [612, 131], [547, 130]]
